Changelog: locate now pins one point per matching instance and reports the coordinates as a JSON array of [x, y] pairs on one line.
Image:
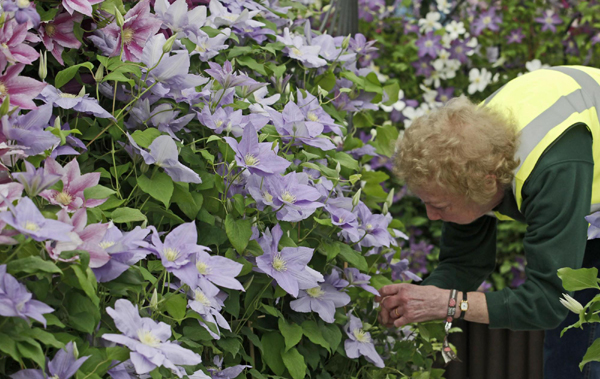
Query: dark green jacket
[[556, 198]]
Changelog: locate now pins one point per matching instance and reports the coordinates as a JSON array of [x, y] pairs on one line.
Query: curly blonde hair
[[463, 148]]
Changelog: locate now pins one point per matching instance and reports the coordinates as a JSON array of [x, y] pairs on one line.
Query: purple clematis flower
[[225, 373], [294, 197], [487, 20], [21, 89], [291, 125], [323, 299], [225, 76], [429, 44], [163, 153], [80, 103], [71, 197], [28, 130], [24, 11], [27, 219], [289, 266], [148, 341], [358, 279], [12, 47], [171, 73], [515, 36], [548, 20], [125, 250], [204, 267], [139, 26], [58, 34], [63, 366], [259, 158], [81, 6], [16, 301], [360, 343], [179, 244]]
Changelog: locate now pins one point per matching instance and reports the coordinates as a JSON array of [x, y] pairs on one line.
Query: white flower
[[430, 22], [455, 29], [535, 64], [571, 304], [479, 80]]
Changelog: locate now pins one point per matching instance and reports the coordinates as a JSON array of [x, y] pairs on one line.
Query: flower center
[[23, 3], [296, 51], [312, 117], [127, 36], [50, 30], [202, 268], [147, 338], [288, 197], [31, 226], [251, 160], [268, 197], [63, 198], [106, 244], [279, 263], [200, 297], [315, 292], [68, 95], [171, 254], [361, 336]]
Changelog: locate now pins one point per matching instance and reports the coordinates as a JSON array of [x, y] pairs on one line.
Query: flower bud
[[43, 69], [346, 42], [168, 46], [154, 301], [119, 18], [356, 197], [5, 107], [99, 75], [390, 198], [571, 304], [75, 350]]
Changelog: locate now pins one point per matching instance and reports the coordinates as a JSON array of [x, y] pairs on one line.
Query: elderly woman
[[526, 153]]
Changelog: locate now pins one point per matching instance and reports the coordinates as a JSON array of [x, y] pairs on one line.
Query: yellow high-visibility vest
[[545, 103]]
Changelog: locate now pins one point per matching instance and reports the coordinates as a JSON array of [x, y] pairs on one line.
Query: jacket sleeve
[[467, 255]]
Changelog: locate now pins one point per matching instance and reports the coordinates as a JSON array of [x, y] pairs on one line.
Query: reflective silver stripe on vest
[[563, 108]]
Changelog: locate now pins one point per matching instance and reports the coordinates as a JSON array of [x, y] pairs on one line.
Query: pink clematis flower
[[71, 197], [81, 6], [12, 48], [58, 34], [21, 89], [139, 26]]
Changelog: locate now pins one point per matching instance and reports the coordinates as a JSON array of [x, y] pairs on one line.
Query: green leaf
[[159, 187], [9, 346], [273, 344], [176, 305], [331, 333], [312, 331], [32, 265], [592, 354], [294, 361], [32, 350], [238, 232], [87, 281], [292, 333], [126, 214], [145, 138], [97, 192], [353, 257], [576, 280], [64, 76]]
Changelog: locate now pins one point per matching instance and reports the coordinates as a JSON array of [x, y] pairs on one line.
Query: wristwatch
[[464, 306]]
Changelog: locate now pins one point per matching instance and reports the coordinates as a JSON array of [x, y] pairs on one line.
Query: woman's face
[[445, 206]]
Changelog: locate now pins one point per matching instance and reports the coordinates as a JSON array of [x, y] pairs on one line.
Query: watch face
[[464, 306]]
